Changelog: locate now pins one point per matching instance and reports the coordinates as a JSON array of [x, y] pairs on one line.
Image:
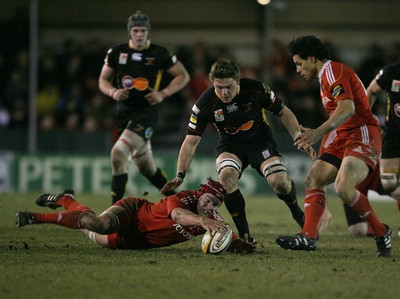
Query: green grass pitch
[[48, 261]]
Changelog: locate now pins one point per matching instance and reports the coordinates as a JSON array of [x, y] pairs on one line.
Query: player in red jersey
[[132, 76], [135, 223], [357, 226], [352, 155]]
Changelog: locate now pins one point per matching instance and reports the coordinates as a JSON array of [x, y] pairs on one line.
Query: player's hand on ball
[[216, 241], [213, 225]]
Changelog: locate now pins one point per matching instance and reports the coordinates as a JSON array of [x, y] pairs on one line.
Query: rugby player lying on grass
[[136, 223]]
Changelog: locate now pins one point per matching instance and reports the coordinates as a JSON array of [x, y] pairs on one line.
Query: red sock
[[67, 219], [314, 206], [69, 203], [361, 206]]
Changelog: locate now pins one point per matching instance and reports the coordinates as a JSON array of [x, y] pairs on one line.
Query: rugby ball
[[215, 242]]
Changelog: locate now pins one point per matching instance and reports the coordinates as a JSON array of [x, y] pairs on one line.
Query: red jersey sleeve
[[339, 82]]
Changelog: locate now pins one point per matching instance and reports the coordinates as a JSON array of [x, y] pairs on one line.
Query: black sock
[[118, 185], [290, 200], [159, 179], [235, 205]]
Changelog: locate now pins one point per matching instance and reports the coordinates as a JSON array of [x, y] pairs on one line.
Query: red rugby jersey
[[156, 225], [339, 82]]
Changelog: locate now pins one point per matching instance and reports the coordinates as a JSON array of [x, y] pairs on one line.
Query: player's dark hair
[[223, 69], [309, 45], [138, 19]]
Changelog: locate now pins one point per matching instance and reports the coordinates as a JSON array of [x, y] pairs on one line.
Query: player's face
[[305, 67], [226, 89], [207, 204], [139, 36]]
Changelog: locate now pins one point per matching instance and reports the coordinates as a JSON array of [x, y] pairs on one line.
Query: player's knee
[[396, 193], [280, 182], [344, 189], [311, 181], [98, 225], [389, 181], [343, 192], [121, 150], [228, 173], [105, 223], [228, 179], [119, 162]]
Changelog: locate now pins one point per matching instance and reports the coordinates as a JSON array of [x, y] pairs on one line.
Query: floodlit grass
[[48, 261]]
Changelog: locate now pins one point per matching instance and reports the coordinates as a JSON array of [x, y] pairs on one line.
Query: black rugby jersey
[[138, 71], [243, 119], [389, 80]]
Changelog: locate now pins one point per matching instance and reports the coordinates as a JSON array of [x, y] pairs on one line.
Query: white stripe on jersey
[[329, 74], [364, 134]]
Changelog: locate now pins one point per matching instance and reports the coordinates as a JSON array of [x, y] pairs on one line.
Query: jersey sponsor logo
[[140, 83], [232, 108], [337, 91], [358, 149], [395, 86], [193, 119], [266, 154], [187, 200], [182, 231], [245, 127], [195, 109], [123, 58], [149, 60], [219, 115], [148, 132], [372, 159], [174, 59], [137, 56], [366, 154], [270, 92], [272, 96], [397, 109], [325, 101]]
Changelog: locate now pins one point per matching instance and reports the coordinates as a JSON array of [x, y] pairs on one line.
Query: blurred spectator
[[70, 106], [69, 63], [47, 98], [47, 122], [68, 95], [97, 116]]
